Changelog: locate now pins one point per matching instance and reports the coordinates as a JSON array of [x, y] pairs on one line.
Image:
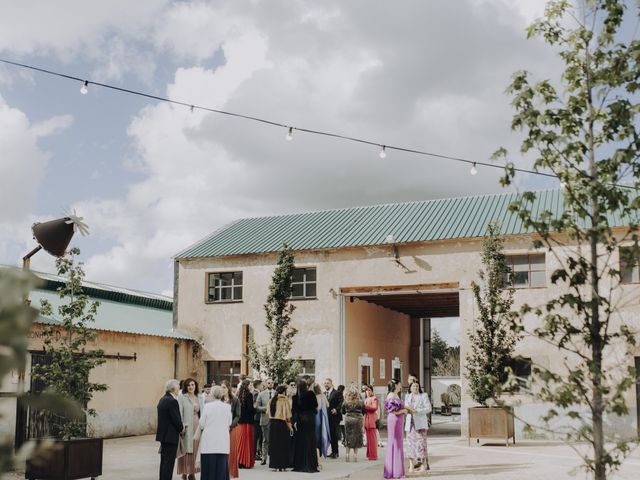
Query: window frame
[[509, 260], [624, 267], [209, 299], [304, 284]]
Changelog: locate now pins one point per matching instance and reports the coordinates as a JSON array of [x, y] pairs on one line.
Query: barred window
[[225, 287], [527, 270], [629, 266], [303, 283]]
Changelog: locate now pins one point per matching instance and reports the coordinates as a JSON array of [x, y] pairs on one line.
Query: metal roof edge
[[208, 237]]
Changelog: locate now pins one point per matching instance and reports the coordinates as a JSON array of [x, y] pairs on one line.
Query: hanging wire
[[383, 146]]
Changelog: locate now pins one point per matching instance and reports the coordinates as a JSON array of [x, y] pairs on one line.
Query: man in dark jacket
[[170, 427], [335, 399]]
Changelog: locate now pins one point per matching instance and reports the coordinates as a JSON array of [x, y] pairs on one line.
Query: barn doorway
[[388, 334]]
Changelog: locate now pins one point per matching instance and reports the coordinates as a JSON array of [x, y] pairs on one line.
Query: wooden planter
[[491, 422], [69, 460]]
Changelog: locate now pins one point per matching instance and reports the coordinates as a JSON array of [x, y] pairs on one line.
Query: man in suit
[[262, 406], [335, 400], [257, 430], [170, 427]]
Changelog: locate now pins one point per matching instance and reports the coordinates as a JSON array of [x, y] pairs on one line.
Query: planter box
[[69, 460], [491, 422]]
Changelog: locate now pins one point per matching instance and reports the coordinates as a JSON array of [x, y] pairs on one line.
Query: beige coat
[[186, 412]]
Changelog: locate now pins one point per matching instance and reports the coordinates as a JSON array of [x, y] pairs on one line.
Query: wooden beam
[[421, 287]]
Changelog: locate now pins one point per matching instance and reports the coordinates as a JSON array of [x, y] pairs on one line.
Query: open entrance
[[388, 335]]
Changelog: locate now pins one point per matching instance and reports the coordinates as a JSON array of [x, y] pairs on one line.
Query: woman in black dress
[[304, 409], [279, 426]]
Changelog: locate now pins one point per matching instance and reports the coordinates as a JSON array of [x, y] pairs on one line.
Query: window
[[521, 368], [303, 283], [629, 266], [528, 270], [225, 287], [220, 370], [308, 368]]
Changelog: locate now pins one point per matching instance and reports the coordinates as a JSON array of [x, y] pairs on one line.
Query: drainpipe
[[176, 352], [341, 327], [176, 271]]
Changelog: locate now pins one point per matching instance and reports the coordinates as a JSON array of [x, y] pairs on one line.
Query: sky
[[151, 178]]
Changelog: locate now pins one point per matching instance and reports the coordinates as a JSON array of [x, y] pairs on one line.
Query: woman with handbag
[[416, 426], [370, 422], [280, 430]]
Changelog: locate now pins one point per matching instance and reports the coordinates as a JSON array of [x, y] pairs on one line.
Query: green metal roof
[[431, 220], [112, 316], [109, 292]]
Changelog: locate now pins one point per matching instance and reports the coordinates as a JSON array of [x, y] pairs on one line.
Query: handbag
[[182, 448], [408, 422], [378, 424]]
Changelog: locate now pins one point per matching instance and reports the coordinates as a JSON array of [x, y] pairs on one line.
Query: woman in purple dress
[[394, 460]]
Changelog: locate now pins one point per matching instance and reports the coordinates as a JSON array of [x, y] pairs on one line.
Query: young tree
[[584, 132], [439, 346], [493, 340], [67, 375], [272, 359]]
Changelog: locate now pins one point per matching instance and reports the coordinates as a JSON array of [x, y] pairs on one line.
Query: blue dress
[[322, 427]]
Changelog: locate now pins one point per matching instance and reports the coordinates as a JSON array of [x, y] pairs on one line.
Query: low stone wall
[[123, 422]]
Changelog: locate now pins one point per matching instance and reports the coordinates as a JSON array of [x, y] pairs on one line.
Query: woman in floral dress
[[416, 426]]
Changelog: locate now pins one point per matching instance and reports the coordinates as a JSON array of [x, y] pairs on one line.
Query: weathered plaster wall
[[378, 332], [319, 320], [128, 407]]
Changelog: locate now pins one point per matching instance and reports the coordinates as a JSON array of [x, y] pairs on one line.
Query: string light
[[474, 170], [84, 90]]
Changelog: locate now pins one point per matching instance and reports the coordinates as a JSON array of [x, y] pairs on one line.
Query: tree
[[439, 346], [67, 375], [449, 365], [272, 359], [585, 133], [493, 340]]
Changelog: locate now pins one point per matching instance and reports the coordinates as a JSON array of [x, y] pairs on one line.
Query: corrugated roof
[[112, 316], [431, 220], [109, 292]]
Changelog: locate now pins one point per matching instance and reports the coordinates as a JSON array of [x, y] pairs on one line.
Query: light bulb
[[191, 108], [289, 136], [84, 89], [473, 170], [383, 152]]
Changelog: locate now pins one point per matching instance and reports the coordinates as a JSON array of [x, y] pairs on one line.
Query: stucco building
[[367, 283], [142, 351]]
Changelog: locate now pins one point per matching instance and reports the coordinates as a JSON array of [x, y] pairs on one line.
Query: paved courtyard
[[450, 457]]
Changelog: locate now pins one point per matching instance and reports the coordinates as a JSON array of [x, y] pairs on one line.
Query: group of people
[[289, 426]]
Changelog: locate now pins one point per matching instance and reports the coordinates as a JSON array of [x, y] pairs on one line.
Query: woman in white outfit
[[416, 426], [214, 442]]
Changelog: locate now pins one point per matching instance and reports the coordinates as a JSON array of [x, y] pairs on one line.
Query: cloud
[[22, 163], [430, 77]]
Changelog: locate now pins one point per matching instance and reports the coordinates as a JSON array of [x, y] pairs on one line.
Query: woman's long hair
[[302, 389], [243, 390], [229, 392]]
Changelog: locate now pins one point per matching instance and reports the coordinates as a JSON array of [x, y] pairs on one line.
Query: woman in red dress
[[246, 455], [370, 418], [229, 398]]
